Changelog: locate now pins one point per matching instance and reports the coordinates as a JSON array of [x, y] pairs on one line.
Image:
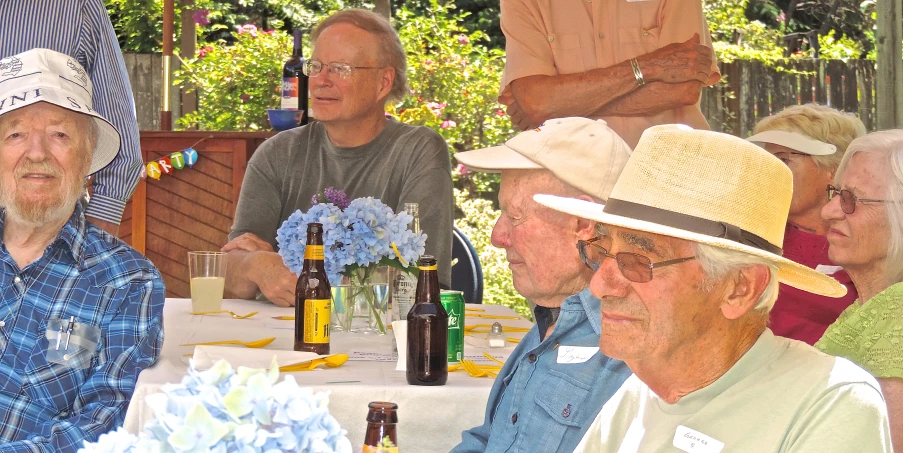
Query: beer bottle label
[[289, 93], [314, 252], [377, 449], [316, 320]]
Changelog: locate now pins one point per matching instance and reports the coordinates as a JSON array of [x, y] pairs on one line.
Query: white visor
[[795, 141]]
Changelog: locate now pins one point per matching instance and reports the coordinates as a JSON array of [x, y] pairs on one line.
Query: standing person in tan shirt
[[634, 63]]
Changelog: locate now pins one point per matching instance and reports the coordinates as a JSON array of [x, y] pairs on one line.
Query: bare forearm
[[653, 98], [239, 270], [583, 94]]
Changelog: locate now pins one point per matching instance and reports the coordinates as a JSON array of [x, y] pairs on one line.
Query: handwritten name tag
[[576, 354], [692, 441]]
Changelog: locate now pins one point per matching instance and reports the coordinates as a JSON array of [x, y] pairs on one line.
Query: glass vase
[[360, 303]]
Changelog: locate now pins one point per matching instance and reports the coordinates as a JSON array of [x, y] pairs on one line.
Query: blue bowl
[[283, 120]]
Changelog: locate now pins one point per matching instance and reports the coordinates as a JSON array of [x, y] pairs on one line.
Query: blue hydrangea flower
[[360, 235]]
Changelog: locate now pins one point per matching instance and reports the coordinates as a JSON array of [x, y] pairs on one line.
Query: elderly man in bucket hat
[[81, 311], [555, 381], [694, 227]]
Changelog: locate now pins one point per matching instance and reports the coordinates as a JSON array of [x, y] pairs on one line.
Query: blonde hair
[[820, 123], [890, 145], [391, 52]]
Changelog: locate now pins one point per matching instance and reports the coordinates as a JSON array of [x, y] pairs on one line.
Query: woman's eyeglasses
[[848, 200], [636, 268]]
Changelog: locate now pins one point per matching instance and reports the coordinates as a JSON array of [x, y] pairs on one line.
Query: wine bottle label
[[289, 93], [429, 268], [376, 449], [314, 252], [316, 320]]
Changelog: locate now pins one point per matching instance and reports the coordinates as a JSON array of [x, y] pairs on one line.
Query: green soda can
[[453, 301]]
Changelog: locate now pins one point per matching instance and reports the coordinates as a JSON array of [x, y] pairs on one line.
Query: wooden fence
[[752, 91], [146, 77]]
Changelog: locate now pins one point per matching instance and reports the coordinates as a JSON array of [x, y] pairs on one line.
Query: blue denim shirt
[[540, 405]]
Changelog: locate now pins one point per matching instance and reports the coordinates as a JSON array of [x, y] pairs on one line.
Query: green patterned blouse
[[870, 334]]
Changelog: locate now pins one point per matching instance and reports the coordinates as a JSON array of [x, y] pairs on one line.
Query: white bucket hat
[[43, 75], [583, 153], [705, 187]]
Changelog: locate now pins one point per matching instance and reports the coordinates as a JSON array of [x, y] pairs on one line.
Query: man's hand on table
[[248, 242], [266, 269]]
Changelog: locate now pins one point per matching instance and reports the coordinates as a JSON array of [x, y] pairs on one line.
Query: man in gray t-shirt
[[357, 66]]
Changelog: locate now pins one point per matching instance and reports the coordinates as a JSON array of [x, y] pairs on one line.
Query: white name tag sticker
[[827, 270], [692, 441], [576, 354]]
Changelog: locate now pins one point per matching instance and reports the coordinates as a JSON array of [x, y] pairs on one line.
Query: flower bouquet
[[232, 411], [359, 238]]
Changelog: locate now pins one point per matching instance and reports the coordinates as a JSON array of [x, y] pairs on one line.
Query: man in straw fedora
[[693, 229], [555, 381], [81, 312]]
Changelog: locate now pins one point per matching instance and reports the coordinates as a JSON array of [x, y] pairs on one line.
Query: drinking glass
[[207, 271]]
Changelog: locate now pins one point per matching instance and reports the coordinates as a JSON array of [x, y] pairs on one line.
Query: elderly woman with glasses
[[811, 140], [865, 217]]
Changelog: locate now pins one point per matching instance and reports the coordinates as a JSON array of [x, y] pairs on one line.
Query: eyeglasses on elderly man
[[313, 68], [635, 267]]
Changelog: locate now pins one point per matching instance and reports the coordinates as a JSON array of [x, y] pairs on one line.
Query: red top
[[801, 315]]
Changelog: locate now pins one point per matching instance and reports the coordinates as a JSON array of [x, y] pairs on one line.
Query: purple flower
[[200, 17], [462, 170], [463, 39], [336, 197]]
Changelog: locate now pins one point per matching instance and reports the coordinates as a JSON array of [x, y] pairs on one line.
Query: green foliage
[[479, 218], [454, 79], [237, 82]]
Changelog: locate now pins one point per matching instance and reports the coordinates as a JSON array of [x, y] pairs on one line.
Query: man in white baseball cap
[[555, 381], [80, 311], [687, 274]]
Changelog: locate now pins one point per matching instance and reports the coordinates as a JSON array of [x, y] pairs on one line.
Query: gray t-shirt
[[403, 164]]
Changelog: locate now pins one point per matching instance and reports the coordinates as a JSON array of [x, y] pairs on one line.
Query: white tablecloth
[[430, 418]]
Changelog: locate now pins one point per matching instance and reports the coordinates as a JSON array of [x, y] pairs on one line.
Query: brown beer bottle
[[427, 354], [380, 436], [313, 297]]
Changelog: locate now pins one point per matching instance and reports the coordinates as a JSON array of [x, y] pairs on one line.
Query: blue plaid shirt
[[540, 405], [102, 282]]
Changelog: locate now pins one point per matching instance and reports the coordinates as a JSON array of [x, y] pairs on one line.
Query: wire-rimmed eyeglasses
[[312, 68], [848, 200], [635, 267]]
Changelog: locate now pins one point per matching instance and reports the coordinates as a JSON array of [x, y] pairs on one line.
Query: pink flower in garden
[[200, 17], [499, 112], [203, 51], [428, 62], [436, 107], [245, 97], [462, 170], [248, 28], [447, 124], [782, 17], [463, 39]]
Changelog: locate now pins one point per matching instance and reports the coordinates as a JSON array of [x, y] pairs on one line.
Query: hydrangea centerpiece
[[358, 236]]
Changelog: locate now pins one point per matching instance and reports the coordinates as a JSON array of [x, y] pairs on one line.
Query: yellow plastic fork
[[238, 316], [250, 344], [332, 361], [476, 370]]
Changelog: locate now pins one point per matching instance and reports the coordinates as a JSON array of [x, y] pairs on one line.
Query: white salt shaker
[[496, 337]]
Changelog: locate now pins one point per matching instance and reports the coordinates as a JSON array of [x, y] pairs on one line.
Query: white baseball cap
[[43, 75], [794, 141], [583, 153]]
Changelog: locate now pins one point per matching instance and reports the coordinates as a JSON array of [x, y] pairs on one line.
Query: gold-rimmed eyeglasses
[[848, 200], [312, 68], [635, 267]]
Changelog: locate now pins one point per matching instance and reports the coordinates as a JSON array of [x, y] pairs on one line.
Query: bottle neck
[[298, 46], [427, 287]]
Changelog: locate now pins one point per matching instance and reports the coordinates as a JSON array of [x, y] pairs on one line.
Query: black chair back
[[467, 274]]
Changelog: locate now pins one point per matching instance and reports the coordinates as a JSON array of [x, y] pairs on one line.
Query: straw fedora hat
[[705, 187]]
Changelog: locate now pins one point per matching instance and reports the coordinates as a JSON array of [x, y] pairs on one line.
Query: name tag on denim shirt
[[576, 354], [692, 441]]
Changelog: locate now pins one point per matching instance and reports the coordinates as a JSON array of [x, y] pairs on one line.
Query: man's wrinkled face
[[44, 159], [540, 243], [651, 319]]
